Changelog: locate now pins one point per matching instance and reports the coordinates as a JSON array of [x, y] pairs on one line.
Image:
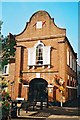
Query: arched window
[[39, 54]]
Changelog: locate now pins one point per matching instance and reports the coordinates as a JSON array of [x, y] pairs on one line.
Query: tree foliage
[[8, 50], [7, 47], [3, 82]]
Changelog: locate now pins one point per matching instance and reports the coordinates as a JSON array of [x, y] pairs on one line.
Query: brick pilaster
[[17, 69]]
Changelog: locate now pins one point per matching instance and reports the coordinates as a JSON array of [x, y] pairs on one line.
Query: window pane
[[39, 54]]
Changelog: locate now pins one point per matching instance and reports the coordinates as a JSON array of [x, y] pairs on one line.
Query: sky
[[16, 14], [39, 0]]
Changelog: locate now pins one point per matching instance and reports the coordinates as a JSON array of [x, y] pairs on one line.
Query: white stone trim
[[71, 87], [50, 86], [33, 67], [49, 66], [43, 66], [25, 85], [19, 98], [28, 67], [38, 43], [37, 75]]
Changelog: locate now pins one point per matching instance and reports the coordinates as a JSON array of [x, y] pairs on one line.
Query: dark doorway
[[38, 90]]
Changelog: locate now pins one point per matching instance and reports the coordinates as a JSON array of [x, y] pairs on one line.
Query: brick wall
[[50, 35]]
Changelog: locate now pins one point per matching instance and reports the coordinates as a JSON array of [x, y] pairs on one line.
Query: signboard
[[61, 88]]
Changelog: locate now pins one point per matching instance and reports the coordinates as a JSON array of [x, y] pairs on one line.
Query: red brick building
[[44, 59]]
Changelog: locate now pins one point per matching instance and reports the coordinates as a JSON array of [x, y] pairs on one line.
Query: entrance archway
[[38, 90]]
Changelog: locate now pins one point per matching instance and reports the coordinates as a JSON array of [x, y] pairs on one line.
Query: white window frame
[[32, 56], [71, 60], [75, 65], [68, 77], [68, 54], [39, 55], [6, 69]]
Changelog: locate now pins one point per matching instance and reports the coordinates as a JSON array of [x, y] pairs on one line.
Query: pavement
[[71, 111], [51, 113]]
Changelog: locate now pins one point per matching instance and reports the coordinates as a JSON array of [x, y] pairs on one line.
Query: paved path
[[71, 112], [46, 119], [52, 113]]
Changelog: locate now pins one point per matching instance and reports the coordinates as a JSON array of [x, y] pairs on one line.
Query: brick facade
[[49, 35]]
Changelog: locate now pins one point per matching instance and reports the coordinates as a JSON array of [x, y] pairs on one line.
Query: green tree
[[8, 50]]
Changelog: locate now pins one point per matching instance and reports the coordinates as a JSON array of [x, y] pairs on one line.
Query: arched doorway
[[38, 90]]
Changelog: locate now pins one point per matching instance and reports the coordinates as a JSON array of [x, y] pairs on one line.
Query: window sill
[[5, 74], [34, 66]]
